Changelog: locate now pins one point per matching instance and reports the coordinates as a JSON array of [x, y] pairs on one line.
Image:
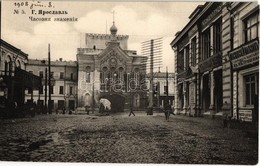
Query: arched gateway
[[117, 102]]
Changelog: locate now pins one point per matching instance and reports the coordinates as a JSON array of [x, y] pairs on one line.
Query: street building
[[216, 61], [106, 69], [160, 88], [14, 80], [63, 87], [241, 60]]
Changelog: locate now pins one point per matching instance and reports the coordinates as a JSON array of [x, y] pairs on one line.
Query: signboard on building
[[245, 115], [215, 13], [210, 63], [246, 60], [245, 55]]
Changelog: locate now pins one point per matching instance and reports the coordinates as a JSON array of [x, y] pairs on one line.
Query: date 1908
[[20, 4], [33, 4]]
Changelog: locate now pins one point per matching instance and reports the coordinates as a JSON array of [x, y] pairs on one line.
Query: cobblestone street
[[123, 139]]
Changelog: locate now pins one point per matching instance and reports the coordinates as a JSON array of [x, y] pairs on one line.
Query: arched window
[[121, 73], [112, 68], [101, 78], [115, 76], [103, 74], [8, 65], [22, 65], [18, 64], [87, 100], [88, 69]]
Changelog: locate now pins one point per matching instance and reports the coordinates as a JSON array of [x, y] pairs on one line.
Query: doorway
[[206, 93], [117, 102], [218, 95], [61, 104], [72, 104]]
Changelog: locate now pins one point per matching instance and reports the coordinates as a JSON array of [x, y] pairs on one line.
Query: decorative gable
[[113, 56]]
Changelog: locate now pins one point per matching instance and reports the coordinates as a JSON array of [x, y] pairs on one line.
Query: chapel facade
[[107, 69]]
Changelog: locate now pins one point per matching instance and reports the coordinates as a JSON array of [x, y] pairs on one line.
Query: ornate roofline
[[96, 35]]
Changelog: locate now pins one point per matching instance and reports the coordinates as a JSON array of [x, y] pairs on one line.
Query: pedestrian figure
[[167, 111], [131, 111], [63, 110], [70, 110], [86, 109], [76, 110], [101, 108]]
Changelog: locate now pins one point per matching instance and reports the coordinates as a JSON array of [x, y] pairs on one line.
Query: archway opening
[[117, 102]]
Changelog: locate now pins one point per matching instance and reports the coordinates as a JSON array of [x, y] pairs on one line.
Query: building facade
[[208, 59], [161, 82], [106, 69], [63, 85], [241, 59], [14, 80]]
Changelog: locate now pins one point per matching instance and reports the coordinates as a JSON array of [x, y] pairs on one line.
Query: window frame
[[205, 50], [88, 77], [250, 83], [61, 75], [187, 56], [180, 66], [61, 90], [52, 89], [193, 51], [71, 90], [217, 36], [246, 29]]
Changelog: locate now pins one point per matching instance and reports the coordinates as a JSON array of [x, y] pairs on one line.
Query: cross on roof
[[113, 16]]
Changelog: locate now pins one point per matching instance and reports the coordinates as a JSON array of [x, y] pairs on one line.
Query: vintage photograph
[[139, 82]]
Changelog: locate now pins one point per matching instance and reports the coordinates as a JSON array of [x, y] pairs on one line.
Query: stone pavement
[[119, 138]]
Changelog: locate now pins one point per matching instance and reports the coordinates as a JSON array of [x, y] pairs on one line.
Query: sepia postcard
[[139, 82]]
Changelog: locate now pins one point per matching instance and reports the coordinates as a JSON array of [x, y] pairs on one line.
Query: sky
[[142, 21]]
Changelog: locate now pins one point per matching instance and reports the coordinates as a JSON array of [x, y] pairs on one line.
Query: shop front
[[211, 85], [245, 65]]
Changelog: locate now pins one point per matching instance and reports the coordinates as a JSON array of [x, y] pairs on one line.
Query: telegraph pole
[[167, 82], [152, 49], [45, 92], [49, 79], [167, 85], [151, 77]]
